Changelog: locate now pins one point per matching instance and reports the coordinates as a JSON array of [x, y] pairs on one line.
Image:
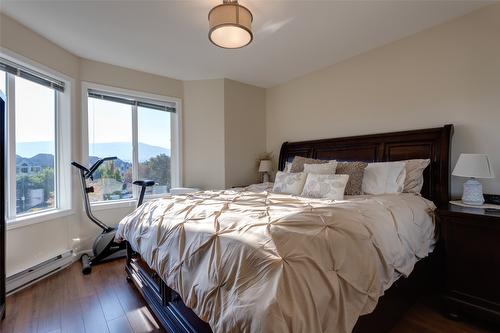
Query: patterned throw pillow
[[299, 161], [321, 169], [290, 183], [414, 180], [325, 186], [355, 170]]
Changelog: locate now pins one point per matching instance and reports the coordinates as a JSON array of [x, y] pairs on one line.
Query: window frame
[[63, 141], [175, 131]]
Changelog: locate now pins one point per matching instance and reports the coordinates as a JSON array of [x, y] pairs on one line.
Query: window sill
[[29, 220], [105, 205]]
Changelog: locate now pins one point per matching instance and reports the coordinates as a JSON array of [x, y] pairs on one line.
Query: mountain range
[[41, 160], [122, 150], [47, 161]]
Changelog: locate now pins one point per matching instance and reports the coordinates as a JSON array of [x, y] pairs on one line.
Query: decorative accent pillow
[[414, 180], [321, 169], [299, 161], [384, 177], [355, 171], [325, 186], [290, 183]]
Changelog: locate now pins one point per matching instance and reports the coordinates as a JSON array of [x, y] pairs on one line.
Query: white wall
[[447, 74], [20, 39], [245, 132], [121, 77], [204, 134], [224, 133]]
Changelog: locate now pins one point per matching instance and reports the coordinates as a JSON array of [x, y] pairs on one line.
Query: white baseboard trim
[[27, 277]]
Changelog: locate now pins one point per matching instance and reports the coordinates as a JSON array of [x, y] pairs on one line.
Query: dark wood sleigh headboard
[[432, 143]]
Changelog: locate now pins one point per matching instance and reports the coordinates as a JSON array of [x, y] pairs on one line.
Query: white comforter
[[263, 262]]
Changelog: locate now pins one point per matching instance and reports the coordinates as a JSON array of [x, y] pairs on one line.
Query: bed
[[185, 261]]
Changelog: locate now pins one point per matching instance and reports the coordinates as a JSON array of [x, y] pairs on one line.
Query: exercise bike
[[105, 248]]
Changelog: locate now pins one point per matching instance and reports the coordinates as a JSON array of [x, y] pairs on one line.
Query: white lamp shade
[[473, 165], [265, 166]]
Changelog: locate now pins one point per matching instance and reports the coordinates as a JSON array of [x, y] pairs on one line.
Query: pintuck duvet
[[262, 262]]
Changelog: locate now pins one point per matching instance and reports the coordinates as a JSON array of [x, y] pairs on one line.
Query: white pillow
[[321, 169], [288, 166], [384, 177], [290, 183], [325, 186]]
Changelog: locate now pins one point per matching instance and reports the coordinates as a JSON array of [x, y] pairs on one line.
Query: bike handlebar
[[98, 163], [79, 166], [90, 172]]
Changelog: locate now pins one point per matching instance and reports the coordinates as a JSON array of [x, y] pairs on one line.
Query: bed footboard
[[165, 303]]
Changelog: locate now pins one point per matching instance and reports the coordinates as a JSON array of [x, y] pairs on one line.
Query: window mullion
[[11, 146], [174, 152], [57, 155], [135, 149]]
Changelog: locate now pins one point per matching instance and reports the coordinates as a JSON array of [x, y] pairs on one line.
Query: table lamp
[[473, 166], [265, 167]]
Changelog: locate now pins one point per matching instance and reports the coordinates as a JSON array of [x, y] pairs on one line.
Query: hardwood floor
[[71, 302], [104, 302]]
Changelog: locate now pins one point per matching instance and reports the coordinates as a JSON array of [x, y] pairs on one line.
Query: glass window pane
[[154, 148], [110, 134], [3, 83], [35, 147]]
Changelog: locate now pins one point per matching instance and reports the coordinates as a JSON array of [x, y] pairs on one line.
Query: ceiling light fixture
[[230, 25]]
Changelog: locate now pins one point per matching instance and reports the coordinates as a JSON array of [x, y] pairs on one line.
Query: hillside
[[123, 150], [42, 160]]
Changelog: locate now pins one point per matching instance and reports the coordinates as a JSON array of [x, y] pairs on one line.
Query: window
[[154, 148], [35, 146], [33, 103], [110, 134], [141, 132]]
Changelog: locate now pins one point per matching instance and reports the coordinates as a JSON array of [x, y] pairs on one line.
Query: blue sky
[[112, 122], [35, 119]]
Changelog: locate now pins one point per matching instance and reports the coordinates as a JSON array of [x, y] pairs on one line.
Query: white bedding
[[415, 226], [254, 261]]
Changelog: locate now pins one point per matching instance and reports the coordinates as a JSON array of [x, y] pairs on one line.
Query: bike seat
[[144, 182]]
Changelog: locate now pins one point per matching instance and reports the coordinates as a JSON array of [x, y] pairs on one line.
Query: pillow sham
[[384, 177], [322, 168], [328, 186], [290, 183], [299, 161], [355, 171], [414, 180]]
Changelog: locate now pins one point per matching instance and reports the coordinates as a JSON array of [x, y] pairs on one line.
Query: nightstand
[[472, 249]]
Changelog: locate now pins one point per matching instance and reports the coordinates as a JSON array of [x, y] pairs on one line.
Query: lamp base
[[265, 177], [473, 193]]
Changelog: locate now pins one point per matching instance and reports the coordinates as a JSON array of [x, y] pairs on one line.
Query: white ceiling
[[291, 38]]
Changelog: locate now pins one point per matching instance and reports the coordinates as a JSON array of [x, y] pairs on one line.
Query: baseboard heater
[[33, 274]]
